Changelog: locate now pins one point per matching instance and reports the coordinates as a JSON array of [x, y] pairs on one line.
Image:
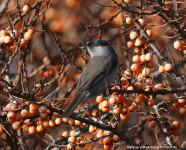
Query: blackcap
[[103, 64]]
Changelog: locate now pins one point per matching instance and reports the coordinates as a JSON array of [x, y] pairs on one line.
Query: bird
[[103, 64]]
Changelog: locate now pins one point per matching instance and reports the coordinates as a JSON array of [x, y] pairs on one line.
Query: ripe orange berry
[[152, 124], [45, 124], [151, 101], [177, 44], [39, 128], [31, 30], [95, 113], [133, 35], [113, 100], [27, 36], [71, 121], [2, 37], [107, 141], [42, 109], [99, 99], [117, 109], [168, 67], [138, 85], [77, 122], [176, 124], [134, 67], [125, 117], [24, 113], [127, 1], [92, 129], [146, 72], [150, 64], [158, 87], [70, 146], [142, 22], [51, 123], [182, 110], [128, 102], [44, 115], [148, 56], [8, 39], [26, 8], [137, 100], [105, 103], [148, 118], [131, 108], [32, 129], [142, 58], [136, 59], [72, 139], [23, 42], [130, 44], [149, 32], [1, 129], [129, 20], [58, 121], [13, 106], [137, 49]]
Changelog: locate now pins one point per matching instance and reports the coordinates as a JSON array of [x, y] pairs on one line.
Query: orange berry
[[72, 139], [31, 30], [127, 1], [129, 20], [151, 101], [92, 129], [51, 123], [105, 103], [24, 113], [149, 32], [182, 110], [26, 8], [137, 100], [168, 67], [146, 72], [44, 115], [136, 59], [58, 121], [95, 113], [142, 58], [117, 109], [27, 36], [77, 122], [8, 39], [148, 56], [107, 141], [142, 22], [130, 44], [152, 124], [45, 124], [131, 108], [99, 99], [158, 87], [176, 124], [113, 100], [128, 102], [134, 67], [71, 121], [148, 118], [137, 49], [39, 128], [42, 109], [125, 117], [133, 35], [32, 129], [177, 44], [138, 85], [1, 129]]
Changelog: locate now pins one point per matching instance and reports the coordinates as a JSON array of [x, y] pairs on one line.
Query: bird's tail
[[73, 104]]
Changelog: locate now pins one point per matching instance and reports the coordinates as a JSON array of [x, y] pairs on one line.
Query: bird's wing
[[89, 78]]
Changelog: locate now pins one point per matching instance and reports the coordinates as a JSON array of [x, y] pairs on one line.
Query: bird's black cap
[[97, 43]]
